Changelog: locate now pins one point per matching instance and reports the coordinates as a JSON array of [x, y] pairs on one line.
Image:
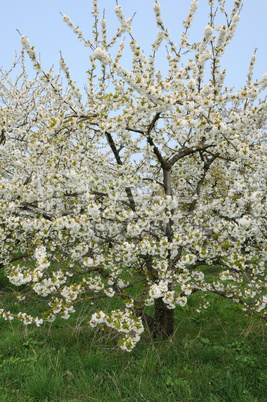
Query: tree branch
[[119, 161]]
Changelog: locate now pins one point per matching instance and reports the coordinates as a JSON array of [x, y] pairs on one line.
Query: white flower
[[156, 7], [158, 41], [192, 10], [88, 262], [189, 105], [191, 83], [95, 8], [222, 35], [122, 284], [109, 292], [157, 290], [244, 222], [169, 299], [206, 55], [187, 289], [68, 21], [101, 55], [181, 300], [208, 31], [94, 211], [97, 318], [25, 41], [264, 81], [119, 13]]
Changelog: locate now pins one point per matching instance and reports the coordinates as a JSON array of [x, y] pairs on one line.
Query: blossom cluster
[[31, 52], [124, 322], [125, 24], [101, 55], [192, 10], [76, 30]]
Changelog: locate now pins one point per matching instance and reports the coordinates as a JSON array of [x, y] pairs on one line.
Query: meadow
[[219, 354]]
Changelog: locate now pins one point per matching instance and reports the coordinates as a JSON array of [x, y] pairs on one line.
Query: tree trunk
[[163, 319]]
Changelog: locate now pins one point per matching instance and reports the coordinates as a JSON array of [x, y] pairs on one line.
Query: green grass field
[[217, 355]]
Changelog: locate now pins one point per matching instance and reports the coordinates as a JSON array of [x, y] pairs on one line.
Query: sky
[[42, 23]]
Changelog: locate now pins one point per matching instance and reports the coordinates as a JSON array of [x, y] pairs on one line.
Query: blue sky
[[42, 23]]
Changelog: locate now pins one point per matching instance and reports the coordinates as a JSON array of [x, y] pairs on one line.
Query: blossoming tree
[[133, 190]]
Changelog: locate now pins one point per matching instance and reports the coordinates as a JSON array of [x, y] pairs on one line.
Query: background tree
[[129, 191]]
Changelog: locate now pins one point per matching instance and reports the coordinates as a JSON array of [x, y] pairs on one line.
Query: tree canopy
[[133, 187]]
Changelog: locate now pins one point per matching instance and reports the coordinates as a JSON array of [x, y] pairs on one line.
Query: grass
[[217, 355]]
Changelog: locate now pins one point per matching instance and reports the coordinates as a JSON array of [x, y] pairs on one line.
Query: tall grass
[[217, 355]]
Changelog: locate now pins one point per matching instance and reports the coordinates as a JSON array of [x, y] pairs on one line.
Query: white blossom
[[136, 181], [101, 55]]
